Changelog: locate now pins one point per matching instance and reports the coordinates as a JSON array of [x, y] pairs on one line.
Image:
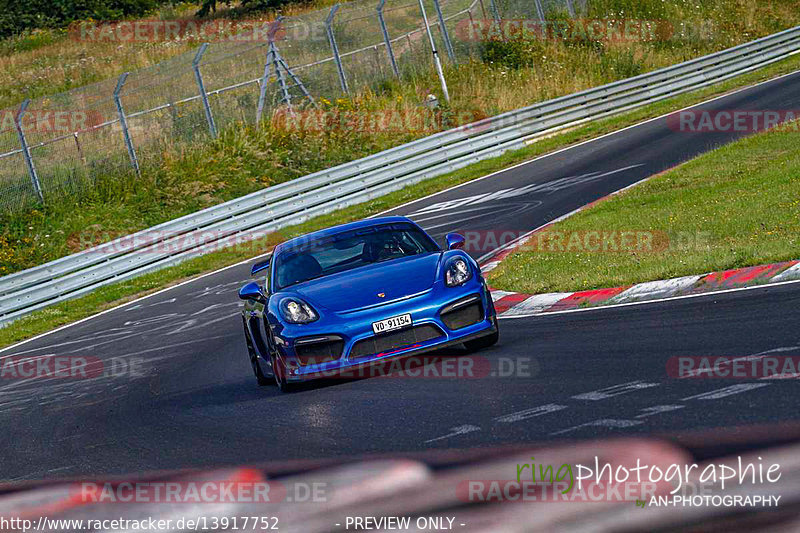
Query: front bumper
[[355, 331]]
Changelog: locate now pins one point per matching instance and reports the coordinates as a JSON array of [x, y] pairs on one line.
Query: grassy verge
[[114, 295], [733, 207], [47, 61], [179, 176]]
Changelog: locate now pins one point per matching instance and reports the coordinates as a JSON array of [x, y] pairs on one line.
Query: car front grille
[[395, 340], [463, 313], [315, 350]]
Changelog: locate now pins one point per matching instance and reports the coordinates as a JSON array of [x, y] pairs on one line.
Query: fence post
[[124, 123], [435, 53], [445, 36], [539, 10], [287, 98], [495, 11], [262, 95], [203, 95], [571, 8], [335, 48], [295, 79], [26, 152], [386, 39]]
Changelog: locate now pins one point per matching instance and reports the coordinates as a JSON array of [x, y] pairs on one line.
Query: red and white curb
[[510, 304]]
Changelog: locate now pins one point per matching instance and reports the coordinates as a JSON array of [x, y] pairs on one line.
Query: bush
[[19, 16], [514, 53], [210, 6]]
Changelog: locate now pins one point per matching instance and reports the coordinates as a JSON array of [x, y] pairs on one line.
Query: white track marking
[[530, 413], [536, 303], [587, 141], [756, 356], [661, 288], [794, 375], [434, 216], [658, 409], [460, 430], [645, 302], [727, 391], [603, 423], [522, 238], [790, 273], [498, 295], [136, 301], [616, 390], [488, 267], [552, 185], [177, 344]]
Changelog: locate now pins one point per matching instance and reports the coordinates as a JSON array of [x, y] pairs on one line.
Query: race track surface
[[184, 395]]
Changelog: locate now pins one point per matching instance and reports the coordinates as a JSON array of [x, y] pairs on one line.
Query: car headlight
[[457, 272], [296, 311]]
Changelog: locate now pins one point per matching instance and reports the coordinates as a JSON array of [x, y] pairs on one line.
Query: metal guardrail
[[323, 192]]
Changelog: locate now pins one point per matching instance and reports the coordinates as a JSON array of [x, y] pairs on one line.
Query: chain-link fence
[[57, 144]]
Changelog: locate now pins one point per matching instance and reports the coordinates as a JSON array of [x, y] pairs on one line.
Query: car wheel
[[251, 352], [483, 342], [279, 371]]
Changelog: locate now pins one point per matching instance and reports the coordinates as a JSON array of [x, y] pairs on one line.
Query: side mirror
[[252, 292], [454, 241], [258, 267]]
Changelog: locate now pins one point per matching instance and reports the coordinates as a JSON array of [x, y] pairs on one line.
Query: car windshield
[[348, 250]]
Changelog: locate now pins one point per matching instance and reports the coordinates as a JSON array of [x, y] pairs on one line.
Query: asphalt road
[[180, 392]]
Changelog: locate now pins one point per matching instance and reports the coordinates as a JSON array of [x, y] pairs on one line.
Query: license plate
[[389, 324]]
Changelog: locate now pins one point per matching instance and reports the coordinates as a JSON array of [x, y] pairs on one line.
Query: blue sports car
[[360, 293]]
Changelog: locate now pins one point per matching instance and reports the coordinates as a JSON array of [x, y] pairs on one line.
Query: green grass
[[107, 297], [733, 207]]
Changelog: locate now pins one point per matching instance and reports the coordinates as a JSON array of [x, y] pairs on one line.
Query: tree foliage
[[17, 16], [210, 6]]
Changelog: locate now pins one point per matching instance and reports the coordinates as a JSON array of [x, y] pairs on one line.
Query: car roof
[[338, 229]]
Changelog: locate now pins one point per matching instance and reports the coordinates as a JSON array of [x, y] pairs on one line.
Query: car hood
[[359, 288]]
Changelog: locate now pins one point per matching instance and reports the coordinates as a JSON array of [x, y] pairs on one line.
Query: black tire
[[261, 378], [279, 371], [483, 342]]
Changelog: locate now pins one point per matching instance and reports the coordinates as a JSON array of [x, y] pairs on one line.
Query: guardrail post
[[123, 121], [201, 86], [386, 39], [335, 48], [445, 36], [26, 152], [435, 53]]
